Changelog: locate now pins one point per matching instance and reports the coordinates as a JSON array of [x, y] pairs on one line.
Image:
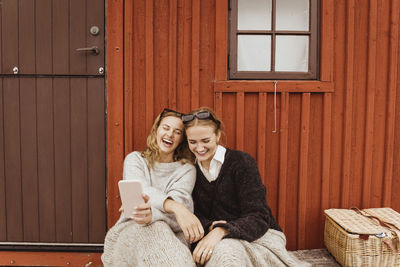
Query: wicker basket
[[356, 239]]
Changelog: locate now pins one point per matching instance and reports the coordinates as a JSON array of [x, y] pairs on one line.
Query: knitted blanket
[[269, 250], [130, 244]]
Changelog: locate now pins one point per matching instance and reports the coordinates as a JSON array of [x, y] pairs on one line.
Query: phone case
[[131, 195]]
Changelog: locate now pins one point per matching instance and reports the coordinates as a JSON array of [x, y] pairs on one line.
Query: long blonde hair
[[152, 150]]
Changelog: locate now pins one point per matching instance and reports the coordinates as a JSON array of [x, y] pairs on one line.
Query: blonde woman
[[158, 232], [229, 199]]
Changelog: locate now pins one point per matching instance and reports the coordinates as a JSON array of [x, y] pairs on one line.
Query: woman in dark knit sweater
[[229, 200]]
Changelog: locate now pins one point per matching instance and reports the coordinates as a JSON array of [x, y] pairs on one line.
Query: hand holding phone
[[131, 196]]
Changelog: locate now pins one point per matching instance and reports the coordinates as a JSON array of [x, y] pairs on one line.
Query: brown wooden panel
[[79, 160], [162, 96], [60, 36], [29, 159], [96, 160], [20, 258], [172, 53], [115, 103], [62, 159], [149, 64], [95, 17], [3, 210], [292, 202], [26, 36], [43, 32], [381, 103], [12, 158], [78, 33], [283, 159], [184, 54], [139, 83], [271, 179], [314, 228], [45, 141], [196, 15], [391, 106], [9, 24]]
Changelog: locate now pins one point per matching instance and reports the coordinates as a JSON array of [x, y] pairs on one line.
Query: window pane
[[292, 15], [254, 53], [291, 53], [254, 14]]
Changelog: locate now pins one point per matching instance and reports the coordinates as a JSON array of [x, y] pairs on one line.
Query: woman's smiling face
[[203, 142], [169, 136]]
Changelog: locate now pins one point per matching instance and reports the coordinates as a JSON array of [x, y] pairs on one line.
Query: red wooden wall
[[336, 142]]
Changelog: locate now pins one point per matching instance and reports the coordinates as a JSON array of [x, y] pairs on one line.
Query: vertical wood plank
[[77, 28], [29, 160], [240, 121], [12, 162], [9, 23], [62, 159], [261, 132], [149, 65], [60, 36], [96, 161], [218, 104], [370, 104], [326, 152], [172, 54], [115, 105], [327, 33], [3, 218], [128, 68], [43, 34], [45, 143], [303, 169], [95, 16], [221, 39], [79, 160], [26, 35], [283, 158], [348, 106], [184, 55], [391, 104], [195, 101]]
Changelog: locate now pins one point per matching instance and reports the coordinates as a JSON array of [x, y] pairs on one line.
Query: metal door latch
[[15, 70], [94, 49]]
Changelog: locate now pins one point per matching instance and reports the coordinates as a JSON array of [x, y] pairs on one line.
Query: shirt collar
[[220, 154]]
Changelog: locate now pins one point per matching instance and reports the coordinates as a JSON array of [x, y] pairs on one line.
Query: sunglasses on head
[[201, 115]]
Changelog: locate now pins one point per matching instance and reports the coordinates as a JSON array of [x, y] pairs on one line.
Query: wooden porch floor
[[317, 257]]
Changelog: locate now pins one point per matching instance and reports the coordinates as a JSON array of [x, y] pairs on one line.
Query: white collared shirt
[[215, 164]]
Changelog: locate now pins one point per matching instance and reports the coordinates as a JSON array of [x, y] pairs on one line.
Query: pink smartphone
[[131, 195]]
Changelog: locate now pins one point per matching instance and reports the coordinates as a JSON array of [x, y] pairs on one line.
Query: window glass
[[254, 53], [291, 53], [292, 15], [254, 14]]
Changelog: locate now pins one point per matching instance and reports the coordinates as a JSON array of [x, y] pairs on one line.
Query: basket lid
[[356, 223]]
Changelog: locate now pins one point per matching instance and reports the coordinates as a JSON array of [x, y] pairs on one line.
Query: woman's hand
[[214, 223], [205, 247], [189, 223], [142, 213]]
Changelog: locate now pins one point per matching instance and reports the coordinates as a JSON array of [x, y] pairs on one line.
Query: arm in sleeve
[[255, 214], [135, 168], [180, 189]]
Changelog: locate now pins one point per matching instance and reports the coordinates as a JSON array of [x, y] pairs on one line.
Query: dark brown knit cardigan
[[237, 196]]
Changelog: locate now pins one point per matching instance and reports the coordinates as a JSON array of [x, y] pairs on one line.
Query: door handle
[[94, 49]]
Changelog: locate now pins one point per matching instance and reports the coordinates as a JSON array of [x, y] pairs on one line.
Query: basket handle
[[383, 223]]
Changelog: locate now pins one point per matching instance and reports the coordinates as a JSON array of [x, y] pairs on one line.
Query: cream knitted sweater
[[164, 180]]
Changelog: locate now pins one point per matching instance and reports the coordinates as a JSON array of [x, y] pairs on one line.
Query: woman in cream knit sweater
[[158, 232]]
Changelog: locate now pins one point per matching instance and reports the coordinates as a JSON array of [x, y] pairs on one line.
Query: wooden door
[[52, 123]]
